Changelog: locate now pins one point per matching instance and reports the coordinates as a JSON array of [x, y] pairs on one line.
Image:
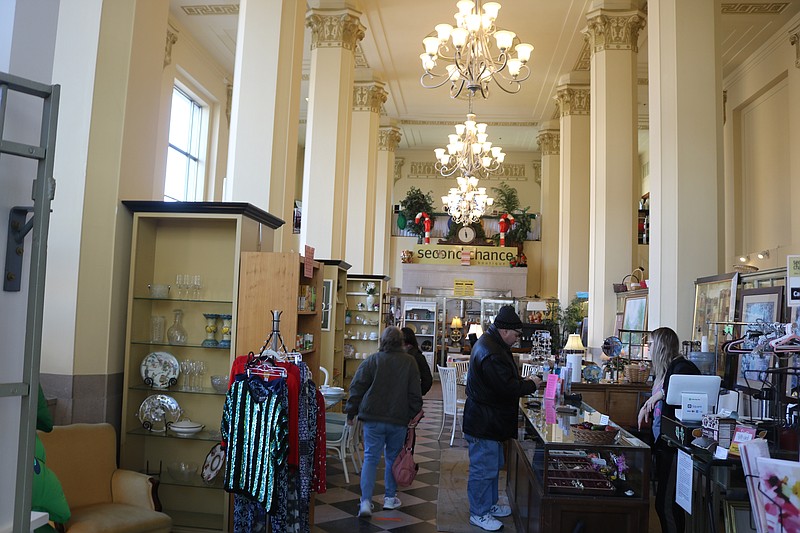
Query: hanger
[[790, 342], [735, 346]]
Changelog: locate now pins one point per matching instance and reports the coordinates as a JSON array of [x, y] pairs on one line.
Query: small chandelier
[[475, 61], [469, 152], [466, 203]]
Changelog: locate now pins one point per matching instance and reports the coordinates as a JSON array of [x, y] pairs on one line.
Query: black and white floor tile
[[336, 511]]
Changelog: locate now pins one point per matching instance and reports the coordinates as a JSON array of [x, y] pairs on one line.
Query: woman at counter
[[667, 360]]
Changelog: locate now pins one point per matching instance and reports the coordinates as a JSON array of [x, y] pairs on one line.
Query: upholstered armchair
[[101, 496]]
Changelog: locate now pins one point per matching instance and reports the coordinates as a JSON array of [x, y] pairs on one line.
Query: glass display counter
[[562, 479]]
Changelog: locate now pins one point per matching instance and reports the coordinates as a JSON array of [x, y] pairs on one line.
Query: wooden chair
[[447, 376]]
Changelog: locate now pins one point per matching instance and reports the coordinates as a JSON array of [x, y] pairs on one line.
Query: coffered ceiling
[[393, 42]]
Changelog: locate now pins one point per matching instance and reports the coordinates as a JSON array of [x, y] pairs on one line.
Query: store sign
[[442, 254], [463, 287], [793, 280]]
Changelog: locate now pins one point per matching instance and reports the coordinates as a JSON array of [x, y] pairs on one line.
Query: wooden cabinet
[[422, 317], [334, 306], [621, 402], [275, 281], [200, 239], [363, 320]]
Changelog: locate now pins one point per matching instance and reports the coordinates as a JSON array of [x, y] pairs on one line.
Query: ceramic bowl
[[182, 470], [220, 383], [186, 428]]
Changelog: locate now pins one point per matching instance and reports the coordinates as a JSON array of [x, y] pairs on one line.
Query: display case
[[421, 316], [363, 320], [334, 306], [558, 483], [491, 306], [170, 356]]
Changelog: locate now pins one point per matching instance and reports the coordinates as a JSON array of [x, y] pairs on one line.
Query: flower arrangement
[[369, 288]]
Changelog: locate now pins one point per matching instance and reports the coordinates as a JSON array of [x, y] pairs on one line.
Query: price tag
[[721, 453], [603, 420]]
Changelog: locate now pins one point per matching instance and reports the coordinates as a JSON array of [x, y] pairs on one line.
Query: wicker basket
[[637, 373], [590, 436]]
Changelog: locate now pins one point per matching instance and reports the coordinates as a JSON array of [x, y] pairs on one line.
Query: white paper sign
[[721, 453], [604, 420], [793, 280], [683, 481]]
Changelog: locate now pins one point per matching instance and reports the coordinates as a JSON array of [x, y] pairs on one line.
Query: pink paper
[[552, 386]]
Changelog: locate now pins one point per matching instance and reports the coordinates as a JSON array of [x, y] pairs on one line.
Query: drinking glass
[[186, 367], [201, 370], [196, 286], [180, 285], [157, 326]]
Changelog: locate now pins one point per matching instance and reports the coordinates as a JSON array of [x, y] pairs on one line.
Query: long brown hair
[[664, 348]]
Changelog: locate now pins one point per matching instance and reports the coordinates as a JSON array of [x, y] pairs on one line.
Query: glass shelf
[[148, 299], [202, 435], [195, 481], [226, 348], [205, 390]]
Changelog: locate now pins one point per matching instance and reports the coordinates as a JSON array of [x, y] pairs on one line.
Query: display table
[[620, 401], [552, 486]]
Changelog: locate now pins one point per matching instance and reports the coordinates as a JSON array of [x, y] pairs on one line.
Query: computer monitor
[[695, 384]]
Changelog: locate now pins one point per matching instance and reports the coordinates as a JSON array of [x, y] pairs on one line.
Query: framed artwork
[[634, 317], [714, 301], [761, 305], [749, 373]]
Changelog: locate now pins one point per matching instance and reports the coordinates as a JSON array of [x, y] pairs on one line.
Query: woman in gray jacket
[[385, 395]]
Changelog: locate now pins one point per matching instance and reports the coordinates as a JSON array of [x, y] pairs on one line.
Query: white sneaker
[[365, 509], [391, 503], [499, 511], [487, 522]]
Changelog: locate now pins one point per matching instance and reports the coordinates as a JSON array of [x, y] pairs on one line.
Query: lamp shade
[[536, 306], [574, 344], [475, 329], [456, 323]]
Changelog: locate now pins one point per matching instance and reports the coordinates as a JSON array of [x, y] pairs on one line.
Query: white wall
[[762, 163], [27, 32]]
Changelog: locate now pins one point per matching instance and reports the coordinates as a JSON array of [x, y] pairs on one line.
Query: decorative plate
[[157, 411], [592, 373], [412, 327], [214, 462], [160, 370], [612, 346], [426, 346], [348, 350]]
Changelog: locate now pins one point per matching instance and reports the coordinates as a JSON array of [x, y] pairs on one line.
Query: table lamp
[[574, 352], [474, 332], [536, 311]]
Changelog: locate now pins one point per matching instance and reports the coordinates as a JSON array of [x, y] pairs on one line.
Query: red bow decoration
[[506, 221], [426, 223]]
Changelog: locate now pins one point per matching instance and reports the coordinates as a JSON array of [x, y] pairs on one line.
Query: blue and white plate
[[160, 370]]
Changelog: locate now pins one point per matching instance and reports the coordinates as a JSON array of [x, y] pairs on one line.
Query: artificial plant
[[414, 203], [507, 201]]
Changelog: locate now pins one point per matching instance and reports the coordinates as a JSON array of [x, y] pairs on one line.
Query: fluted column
[[572, 96], [613, 36], [685, 78], [265, 107], [388, 140], [334, 34], [368, 97], [549, 144]]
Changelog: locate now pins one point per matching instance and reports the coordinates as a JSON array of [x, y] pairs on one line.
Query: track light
[[744, 258], [763, 254]]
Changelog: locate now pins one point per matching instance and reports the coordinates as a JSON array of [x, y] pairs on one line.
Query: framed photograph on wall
[[714, 301], [761, 305]]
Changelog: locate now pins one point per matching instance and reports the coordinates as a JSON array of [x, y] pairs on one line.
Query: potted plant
[[414, 203], [507, 201]]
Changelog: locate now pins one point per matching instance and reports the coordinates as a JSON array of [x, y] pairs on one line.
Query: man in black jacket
[[494, 387]]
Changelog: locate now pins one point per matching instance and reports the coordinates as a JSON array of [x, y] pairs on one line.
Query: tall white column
[[573, 101], [685, 157], [549, 144], [367, 100], [613, 36], [334, 33], [388, 140], [265, 109]]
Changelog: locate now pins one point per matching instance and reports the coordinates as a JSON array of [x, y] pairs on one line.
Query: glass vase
[[176, 334]]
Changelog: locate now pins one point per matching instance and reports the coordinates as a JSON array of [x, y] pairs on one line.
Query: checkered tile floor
[[336, 510]]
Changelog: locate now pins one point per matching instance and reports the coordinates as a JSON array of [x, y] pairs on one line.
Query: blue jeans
[[380, 437], [485, 462]]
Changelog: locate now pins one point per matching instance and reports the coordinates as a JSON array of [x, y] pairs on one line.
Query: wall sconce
[[455, 330], [744, 258], [763, 254]]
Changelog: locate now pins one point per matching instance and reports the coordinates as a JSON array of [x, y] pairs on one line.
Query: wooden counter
[[620, 401]]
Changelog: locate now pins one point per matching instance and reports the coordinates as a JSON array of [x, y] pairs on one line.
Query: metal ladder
[[19, 225]]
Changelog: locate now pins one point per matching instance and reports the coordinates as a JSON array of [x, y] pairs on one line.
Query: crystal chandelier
[[466, 203], [471, 60], [469, 152]]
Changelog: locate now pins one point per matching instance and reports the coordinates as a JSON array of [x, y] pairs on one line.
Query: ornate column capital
[[537, 171], [398, 166], [369, 96], [389, 139], [573, 100], [614, 30], [172, 38], [335, 29], [550, 142], [794, 40]]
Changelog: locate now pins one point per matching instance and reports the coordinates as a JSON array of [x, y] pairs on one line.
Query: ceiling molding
[[211, 9], [754, 8], [450, 123]]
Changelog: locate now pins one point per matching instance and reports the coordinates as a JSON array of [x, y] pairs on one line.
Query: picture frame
[[634, 317], [762, 304], [714, 301], [748, 369]]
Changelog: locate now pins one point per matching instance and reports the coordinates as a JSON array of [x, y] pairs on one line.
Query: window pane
[[175, 182], [180, 123]]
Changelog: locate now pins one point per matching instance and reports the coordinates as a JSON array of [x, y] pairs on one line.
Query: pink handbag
[[404, 469]]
